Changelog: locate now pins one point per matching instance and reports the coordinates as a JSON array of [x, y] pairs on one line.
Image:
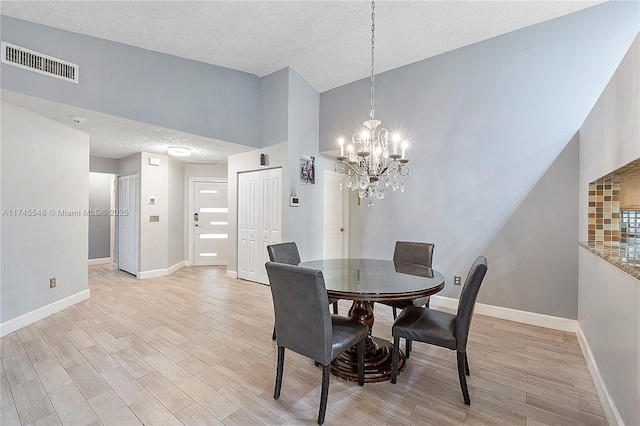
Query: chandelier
[[375, 159]]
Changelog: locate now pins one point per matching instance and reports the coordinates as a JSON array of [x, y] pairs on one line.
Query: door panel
[[210, 226], [334, 235], [128, 225], [259, 220]]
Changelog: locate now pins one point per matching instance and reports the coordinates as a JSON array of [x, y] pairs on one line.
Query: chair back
[[284, 253], [412, 252], [303, 321], [467, 301]]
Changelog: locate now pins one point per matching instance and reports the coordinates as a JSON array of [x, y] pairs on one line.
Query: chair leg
[[395, 313], [426, 305], [463, 379], [407, 348], [279, 370], [273, 336], [335, 308], [466, 365], [395, 354], [361, 362], [326, 373]]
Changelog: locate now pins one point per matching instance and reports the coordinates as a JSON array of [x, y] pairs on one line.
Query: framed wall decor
[[307, 170]]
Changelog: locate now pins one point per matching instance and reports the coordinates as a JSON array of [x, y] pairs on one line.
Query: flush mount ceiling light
[[373, 159], [179, 151]]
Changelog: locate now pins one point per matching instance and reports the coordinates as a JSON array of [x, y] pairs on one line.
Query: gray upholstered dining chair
[[417, 254], [288, 253], [442, 328], [304, 324]]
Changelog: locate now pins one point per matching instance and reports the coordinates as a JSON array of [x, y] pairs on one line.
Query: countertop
[[623, 255]]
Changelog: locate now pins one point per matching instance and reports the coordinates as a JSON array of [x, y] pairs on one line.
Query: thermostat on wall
[[294, 201]]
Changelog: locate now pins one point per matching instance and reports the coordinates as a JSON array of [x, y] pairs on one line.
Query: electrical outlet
[[456, 280], [52, 282]]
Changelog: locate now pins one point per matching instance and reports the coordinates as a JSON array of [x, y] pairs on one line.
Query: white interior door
[[259, 220], [334, 209], [128, 224], [210, 223]]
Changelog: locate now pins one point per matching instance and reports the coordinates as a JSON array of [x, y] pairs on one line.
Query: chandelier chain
[[373, 78], [376, 158]]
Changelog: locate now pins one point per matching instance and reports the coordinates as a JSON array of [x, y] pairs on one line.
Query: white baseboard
[[532, 318], [608, 405], [160, 272], [101, 261], [232, 274], [40, 313]]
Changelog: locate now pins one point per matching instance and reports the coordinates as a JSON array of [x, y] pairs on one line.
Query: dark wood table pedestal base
[[377, 352], [377, 362]]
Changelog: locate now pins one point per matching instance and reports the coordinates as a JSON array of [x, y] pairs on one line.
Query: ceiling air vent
[[43, 64]]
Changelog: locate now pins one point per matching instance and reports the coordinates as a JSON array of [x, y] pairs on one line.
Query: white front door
[[210, 223], [335, 204], [259, 220]]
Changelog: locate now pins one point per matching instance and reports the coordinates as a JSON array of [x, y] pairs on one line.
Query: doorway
[[209, 223], [335, 216], [129, 223], [259, 221]]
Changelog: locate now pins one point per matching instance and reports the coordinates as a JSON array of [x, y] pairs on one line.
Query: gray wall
[[159, 89], [176, 212], [274, 112], [609, 299], [274, 108], [103, 165], [489, 127], [100, 225], [44, 165], [297, 133], [304, 223]]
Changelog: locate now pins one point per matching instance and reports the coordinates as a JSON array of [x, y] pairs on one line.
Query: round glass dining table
[[373, 280]]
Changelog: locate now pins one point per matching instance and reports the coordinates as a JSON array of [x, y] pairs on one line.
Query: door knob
[[341, 229]]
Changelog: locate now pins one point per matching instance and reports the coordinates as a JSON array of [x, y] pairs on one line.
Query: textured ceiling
[[326, 42]]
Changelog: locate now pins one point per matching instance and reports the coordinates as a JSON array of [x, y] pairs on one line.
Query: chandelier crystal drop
[[375, 159]]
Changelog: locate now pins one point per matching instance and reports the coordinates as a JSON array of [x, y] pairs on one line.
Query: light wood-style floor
[[195, 348]]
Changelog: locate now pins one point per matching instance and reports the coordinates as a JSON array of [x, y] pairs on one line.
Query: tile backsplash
[[604, 211], [614, 206]]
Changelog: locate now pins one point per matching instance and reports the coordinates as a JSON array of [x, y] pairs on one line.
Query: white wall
[[609, 299], [175, 212], [154, 182], [44, 165]]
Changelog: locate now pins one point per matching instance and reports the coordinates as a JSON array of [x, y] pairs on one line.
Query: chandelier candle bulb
[[341, 142]]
